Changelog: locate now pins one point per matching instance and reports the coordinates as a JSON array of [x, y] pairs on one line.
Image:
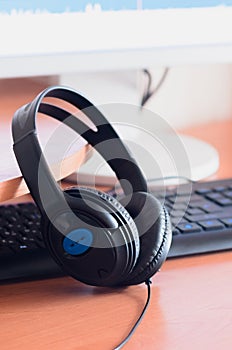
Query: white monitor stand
[[158, 149], [203, 160]]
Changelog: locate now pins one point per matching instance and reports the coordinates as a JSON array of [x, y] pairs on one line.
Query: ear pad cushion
[[155, 234], [123, 218]]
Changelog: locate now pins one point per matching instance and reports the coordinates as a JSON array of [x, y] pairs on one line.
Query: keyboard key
[[189, 227], [224, 201], [214, 195], [183, 192], [219, 188], [204, 217], [209, 207], [228, 194], [3, 222], [179, 200], [176, 221], [6, 234], [203, 190], [179, 206], [227, 222], [211, 225], [226, 213], [195, 198], [195, 211], [177, 213]]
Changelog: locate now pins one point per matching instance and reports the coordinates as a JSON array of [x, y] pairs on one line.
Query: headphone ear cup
[[115, 206], [154, 227], [119, 258]]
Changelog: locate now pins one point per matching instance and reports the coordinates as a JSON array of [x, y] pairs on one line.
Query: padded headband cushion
[[155, 235]]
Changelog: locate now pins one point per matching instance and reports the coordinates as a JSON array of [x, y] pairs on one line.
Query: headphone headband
[[25, 139]]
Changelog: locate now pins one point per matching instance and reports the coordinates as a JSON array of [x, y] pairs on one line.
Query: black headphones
[[92, 236]]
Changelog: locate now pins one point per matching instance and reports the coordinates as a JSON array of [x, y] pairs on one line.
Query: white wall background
[[190, 94]]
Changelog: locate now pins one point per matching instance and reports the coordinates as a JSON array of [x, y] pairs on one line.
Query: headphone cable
[[125, 340], [148, 93]]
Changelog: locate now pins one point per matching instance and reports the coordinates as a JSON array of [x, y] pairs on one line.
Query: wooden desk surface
[[191, 305]]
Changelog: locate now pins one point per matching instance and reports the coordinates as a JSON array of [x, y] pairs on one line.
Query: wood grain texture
[[190, 309]]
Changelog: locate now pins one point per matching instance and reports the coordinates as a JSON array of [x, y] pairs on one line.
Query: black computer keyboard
[[201, 220]]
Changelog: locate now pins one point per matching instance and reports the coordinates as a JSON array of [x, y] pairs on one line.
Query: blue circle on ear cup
[[78, 241]]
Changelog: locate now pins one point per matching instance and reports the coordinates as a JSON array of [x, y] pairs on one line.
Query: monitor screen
[[42, 37]]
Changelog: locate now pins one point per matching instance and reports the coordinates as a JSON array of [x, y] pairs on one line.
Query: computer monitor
[[47, 38], [79, 37]]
